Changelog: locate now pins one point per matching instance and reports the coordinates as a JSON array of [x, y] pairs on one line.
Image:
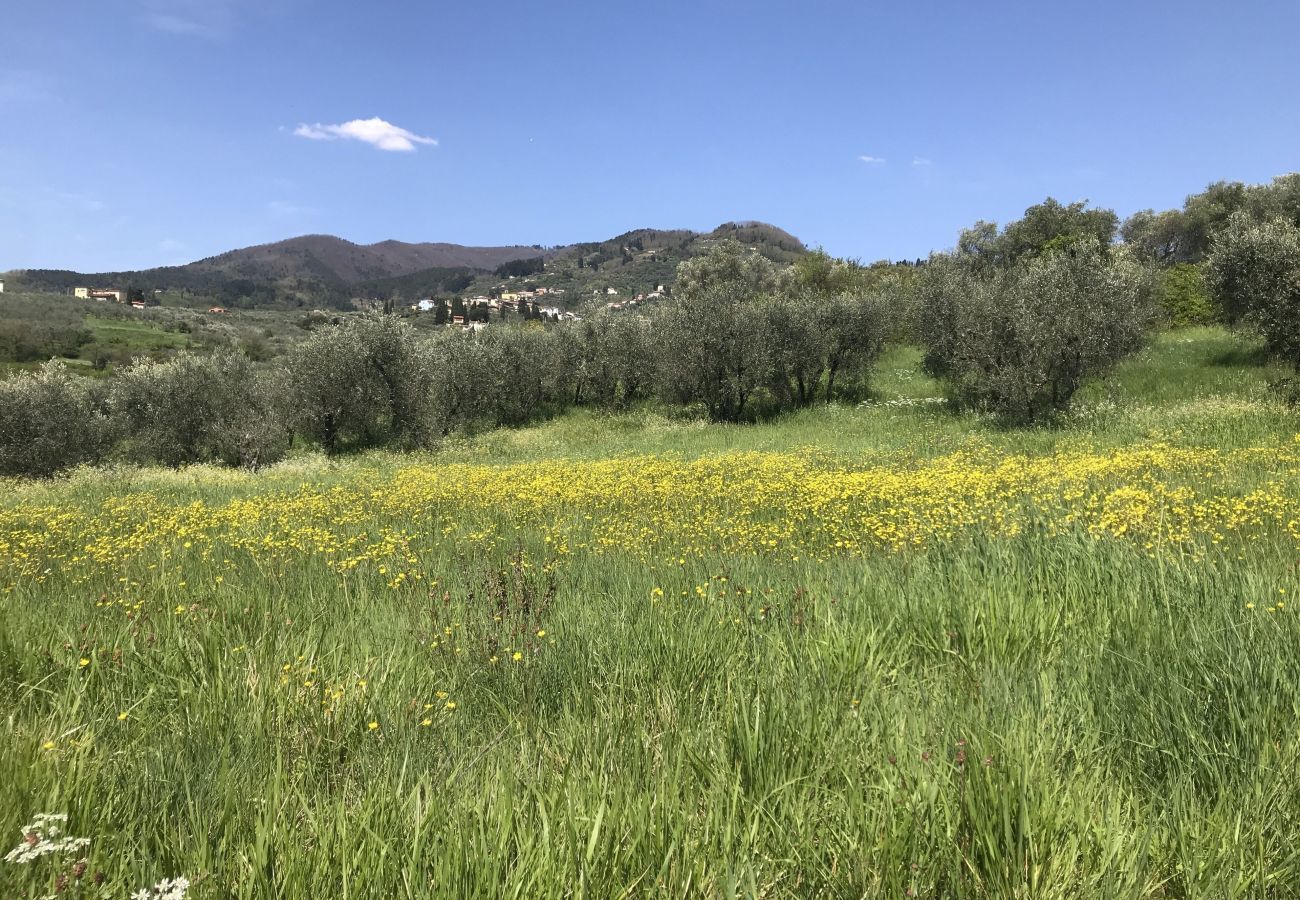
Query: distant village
[[476, 311], [471, 313], [103, 295]]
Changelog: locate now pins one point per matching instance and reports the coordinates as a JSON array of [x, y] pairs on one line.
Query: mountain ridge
[[314, 269]]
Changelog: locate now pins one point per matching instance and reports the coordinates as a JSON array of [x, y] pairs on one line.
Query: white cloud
[[871, 160], [921, 161], [377, 132]]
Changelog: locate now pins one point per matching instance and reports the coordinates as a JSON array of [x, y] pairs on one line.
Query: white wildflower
[[167, 889], [42, 836], [903, 402]]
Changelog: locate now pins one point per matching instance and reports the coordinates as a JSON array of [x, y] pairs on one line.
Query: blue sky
[[136, 133]]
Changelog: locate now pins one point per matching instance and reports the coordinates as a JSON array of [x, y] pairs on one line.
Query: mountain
[[638, 262], [312, 270], [336, 259], [322, 270]]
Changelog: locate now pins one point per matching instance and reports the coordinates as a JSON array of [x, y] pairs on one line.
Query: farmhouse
[[98, 294]]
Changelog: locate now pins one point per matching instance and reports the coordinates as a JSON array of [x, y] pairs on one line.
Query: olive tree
[[618, 358], [569, 362], [629, 357], [1045, 228], [50, 420], [358, 383], [193, 408], [714, 334], [464, 381], [828, 326], [1020, 340], [390, 349], [521, 364], [793, 343], [1254, 273], [850, 331]]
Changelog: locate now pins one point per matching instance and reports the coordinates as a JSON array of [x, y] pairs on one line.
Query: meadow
[[882, 650]]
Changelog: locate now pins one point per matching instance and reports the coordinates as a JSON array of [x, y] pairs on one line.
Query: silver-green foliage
[[360, 383], [50, 420], [714, 333], [1254, 272], [1019, 341], [829, 327], [463, 382], [1188, 234], [738, 327], [194, 408], [511, 375]]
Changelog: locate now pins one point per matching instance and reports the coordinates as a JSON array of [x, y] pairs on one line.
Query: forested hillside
[[326, 271]]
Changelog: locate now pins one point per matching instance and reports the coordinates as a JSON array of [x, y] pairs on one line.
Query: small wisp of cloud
[[83, 202], [376, 132], [212, 19], [284, 208], [871, 160], [921, 161], [174, 24]]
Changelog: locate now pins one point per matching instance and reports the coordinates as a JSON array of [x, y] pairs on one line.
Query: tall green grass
[[986, 718]]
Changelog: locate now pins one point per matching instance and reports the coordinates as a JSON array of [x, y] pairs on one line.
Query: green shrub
[[1254, 272], [1184, 296], [359, 383], [713, 334], [463, 382], [1019, 341], [195, 408], [50, 420]]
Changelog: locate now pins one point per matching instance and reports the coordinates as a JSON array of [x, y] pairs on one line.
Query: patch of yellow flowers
[[804, 505]]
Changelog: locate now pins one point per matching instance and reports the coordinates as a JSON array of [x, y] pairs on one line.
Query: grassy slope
[[1193, 386], [1128, 723], [120, 333]]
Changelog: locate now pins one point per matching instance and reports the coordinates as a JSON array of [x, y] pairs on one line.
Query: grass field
[[873, 651], [36, 327]]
